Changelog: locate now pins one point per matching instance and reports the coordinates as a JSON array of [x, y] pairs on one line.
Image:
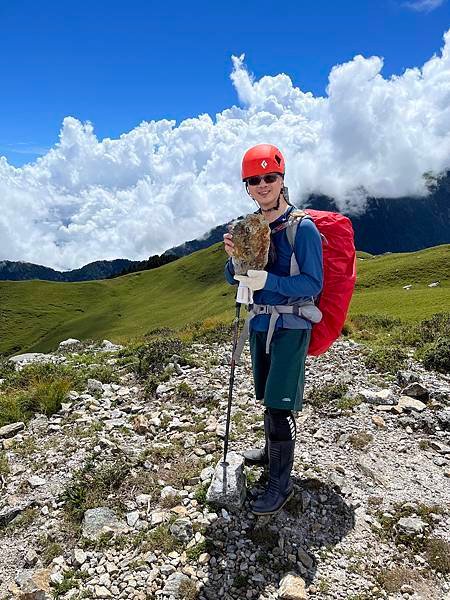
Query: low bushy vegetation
[[389, 339], [437, 552], [185, 391], [393, 579], [4, 464], [42, 395], [154, 355], [93, 486], [328, 395], [188, 590], [437, 356], [50, 550], [386, 359], [209, 331], [41, 388], [160, 538]]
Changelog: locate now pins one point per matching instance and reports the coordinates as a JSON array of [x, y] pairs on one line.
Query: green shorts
[[279, 376]]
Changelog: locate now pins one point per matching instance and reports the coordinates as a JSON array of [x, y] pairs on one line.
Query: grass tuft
[[328, 395]]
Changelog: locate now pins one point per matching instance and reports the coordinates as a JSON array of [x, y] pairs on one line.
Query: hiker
[[278, 375]]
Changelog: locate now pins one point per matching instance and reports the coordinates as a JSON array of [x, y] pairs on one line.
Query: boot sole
[[274, 512]]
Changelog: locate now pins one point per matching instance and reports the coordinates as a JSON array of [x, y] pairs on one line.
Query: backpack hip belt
[[307, 310]]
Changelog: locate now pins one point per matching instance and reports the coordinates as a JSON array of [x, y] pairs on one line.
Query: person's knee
[[282, 425]]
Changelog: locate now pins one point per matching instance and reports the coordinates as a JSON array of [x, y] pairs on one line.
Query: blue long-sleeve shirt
[[280, 285]]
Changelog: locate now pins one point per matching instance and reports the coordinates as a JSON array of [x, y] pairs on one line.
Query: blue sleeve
[[229, 272], [308, 253]]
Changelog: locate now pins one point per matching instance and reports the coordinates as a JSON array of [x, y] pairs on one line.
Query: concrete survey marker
[[228, 487]]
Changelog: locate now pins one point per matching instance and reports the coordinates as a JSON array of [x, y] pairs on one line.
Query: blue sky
[[118, 63]]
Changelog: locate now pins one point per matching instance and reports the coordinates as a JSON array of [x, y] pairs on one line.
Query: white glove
[[244, 294], [255, 280]]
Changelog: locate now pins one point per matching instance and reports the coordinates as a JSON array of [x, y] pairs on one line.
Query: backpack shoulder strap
[[295, 218]]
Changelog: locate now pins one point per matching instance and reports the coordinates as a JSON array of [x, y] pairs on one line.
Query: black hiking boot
[[259, 456], [280, 488]]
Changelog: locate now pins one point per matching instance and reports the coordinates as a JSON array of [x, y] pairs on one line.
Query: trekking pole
[[230, 387]]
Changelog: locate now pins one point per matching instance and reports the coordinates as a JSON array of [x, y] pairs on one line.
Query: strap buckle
[[261, 309]]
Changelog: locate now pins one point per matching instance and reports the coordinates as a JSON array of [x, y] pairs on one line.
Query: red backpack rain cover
[[339, 277]]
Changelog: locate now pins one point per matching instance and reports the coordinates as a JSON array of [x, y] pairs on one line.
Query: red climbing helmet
[[263, 158]]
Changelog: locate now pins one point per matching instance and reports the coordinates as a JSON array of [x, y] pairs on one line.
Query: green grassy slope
[[379, 287], [36, 315]]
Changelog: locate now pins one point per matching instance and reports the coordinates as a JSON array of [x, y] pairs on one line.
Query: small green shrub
[[91, 486], [194, 552], [70, 581], [42, 396], [347, 329], [104, 373], [437, 552], [185, 391], [437, 357], [383, 331], [159, 332], [6, 368], [392, 579], [151, 385], [209, 331], [160, 539], [10, 411], [41, 388], [436, 327], [154, 355], [188, 590], [321, 396], [200, 493], [32, 374], [386, 359], [50, 551], [348, 403], [4, 465], [45, 397]]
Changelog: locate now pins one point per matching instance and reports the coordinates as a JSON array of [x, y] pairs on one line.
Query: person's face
[[266, 194]]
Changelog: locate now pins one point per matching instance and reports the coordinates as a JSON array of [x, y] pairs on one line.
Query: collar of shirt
[[281, 218]]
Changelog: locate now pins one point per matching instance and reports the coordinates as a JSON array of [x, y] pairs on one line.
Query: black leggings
[[282, 427]]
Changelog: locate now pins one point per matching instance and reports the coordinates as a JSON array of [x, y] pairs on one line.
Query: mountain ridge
[[35, 314], [403, 224]]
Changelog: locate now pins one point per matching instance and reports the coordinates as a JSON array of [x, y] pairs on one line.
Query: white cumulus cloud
[[423, 5], [161, 183]]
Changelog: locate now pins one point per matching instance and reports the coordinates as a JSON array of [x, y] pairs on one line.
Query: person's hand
[[228, 243], [255, 280]]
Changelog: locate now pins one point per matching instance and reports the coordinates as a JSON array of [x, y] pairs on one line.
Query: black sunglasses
[[269, 178]]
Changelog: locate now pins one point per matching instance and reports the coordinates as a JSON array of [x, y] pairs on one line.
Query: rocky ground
[[107, 498]]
